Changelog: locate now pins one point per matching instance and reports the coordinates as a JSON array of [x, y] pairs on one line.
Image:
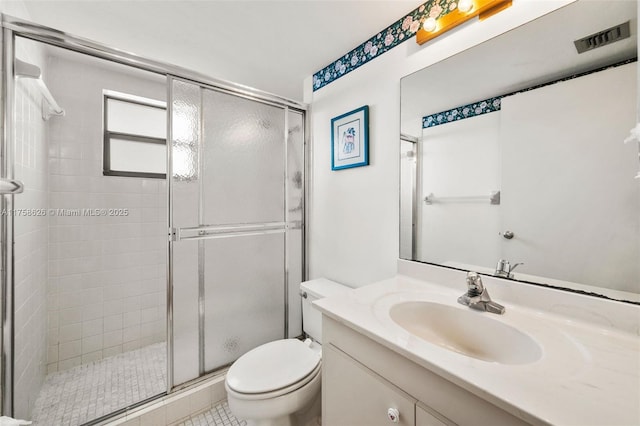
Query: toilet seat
[[273, 369], [276, 393]]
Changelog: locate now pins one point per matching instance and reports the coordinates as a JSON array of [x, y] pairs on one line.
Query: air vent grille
[[602, 38]]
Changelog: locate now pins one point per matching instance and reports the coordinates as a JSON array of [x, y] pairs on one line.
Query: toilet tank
[[314, 290]]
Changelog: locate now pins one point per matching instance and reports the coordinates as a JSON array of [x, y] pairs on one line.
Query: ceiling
[[270, 45]]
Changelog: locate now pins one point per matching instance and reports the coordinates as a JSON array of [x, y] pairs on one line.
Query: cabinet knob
[[393, 414], [507, 234]]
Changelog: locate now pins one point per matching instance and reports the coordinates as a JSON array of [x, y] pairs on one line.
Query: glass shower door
[[243, 208], [229, 219]]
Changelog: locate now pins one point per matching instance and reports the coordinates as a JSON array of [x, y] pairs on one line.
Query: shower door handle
[[10, 186]]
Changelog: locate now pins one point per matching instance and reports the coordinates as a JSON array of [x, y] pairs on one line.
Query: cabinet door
[[428, 417], [356, 396]]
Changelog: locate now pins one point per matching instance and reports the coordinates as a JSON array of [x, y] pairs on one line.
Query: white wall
[[107, 275], [353, 213], [14, 8]]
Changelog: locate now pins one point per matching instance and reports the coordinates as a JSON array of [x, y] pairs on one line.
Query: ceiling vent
[[602, 38]]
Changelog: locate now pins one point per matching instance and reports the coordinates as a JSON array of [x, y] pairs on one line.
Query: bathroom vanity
[[364, 382], [404, 351]]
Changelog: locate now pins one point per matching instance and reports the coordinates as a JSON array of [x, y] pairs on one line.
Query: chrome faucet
[[504, 269], [477, 297]]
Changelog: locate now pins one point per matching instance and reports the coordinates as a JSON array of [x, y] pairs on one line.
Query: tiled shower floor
[[80, 394]]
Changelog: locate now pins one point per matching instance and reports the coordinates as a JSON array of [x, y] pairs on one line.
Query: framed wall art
[[350, 139]]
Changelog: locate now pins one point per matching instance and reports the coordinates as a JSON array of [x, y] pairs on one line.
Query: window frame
[[107, 135]]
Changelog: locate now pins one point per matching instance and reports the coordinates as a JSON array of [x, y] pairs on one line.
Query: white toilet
[[278, 383]]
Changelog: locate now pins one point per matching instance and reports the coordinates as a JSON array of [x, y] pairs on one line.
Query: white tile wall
[[31, 238], [107, 274]]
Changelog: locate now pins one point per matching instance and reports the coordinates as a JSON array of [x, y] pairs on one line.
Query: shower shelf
[[26, 70]]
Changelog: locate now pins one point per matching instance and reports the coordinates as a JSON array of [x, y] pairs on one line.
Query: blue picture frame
[[350, 139]]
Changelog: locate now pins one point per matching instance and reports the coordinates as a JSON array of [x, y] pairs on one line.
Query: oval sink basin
[[471, 333]]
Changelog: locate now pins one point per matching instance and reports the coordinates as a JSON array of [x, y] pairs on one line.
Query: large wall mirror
[[514, 150]]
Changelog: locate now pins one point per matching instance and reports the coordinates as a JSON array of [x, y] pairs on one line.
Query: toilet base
[[309, 416], [288, 421], [301, 407]]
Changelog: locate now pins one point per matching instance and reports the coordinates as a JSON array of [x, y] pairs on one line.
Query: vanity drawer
[[354, 395]]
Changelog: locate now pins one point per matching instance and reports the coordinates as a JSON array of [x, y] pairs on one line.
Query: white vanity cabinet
[[363, 380]]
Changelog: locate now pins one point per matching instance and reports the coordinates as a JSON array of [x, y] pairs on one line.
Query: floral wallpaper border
[[400, 31], [460, 113]]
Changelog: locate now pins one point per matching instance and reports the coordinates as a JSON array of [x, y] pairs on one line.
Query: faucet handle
[[477, 297], [474, 284]]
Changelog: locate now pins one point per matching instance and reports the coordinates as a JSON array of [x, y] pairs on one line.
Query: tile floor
[[80, 394], [220, 415]]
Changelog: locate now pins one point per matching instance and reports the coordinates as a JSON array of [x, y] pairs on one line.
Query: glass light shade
[[465, 5], [430, 24]]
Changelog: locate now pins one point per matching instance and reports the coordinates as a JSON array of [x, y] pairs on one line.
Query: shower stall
[[151, 226]]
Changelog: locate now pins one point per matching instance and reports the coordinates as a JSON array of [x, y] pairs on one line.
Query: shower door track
[[12, 27]]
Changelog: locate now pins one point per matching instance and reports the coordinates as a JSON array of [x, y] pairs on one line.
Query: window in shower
[[135, 143]]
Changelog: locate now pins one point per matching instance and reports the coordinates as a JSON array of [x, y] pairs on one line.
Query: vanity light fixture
[[465, 10]]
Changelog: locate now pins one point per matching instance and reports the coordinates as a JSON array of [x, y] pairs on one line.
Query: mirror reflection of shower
[[408, 184]]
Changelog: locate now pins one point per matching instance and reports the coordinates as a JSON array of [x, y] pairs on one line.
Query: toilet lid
[[272, 366]]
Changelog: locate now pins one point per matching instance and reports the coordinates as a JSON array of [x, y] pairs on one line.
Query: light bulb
[[429, 25], [465, 5]]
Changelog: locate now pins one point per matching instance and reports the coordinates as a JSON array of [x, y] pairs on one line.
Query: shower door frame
[[205, 232], [13, 27]]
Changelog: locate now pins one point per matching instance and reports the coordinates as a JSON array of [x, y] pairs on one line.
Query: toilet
[[278, 383]]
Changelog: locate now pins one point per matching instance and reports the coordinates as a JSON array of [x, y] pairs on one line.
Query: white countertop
[[587, 375]]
